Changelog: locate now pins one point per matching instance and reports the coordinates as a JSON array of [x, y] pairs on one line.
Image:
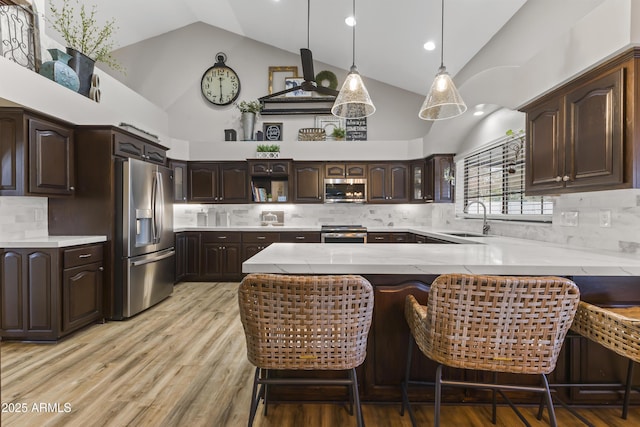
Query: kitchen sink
[[467, 234]]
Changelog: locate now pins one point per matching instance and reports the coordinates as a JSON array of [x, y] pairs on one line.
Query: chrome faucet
[[485, 225]]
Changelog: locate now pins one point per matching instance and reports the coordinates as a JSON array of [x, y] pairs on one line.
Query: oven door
[[344, 237]]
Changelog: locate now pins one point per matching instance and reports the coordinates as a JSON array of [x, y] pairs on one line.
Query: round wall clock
[[220, 85]]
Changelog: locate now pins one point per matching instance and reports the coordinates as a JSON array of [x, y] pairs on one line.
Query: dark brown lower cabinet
[[220, 256], [187, 256], [383, 370], [46, 294]]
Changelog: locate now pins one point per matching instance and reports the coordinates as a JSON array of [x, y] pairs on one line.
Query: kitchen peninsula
[[397, 270]]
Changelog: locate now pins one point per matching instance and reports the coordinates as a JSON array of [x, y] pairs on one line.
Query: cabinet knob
[[72, 188], [184, 198], [101, 269], [558, 179], [566, 178]]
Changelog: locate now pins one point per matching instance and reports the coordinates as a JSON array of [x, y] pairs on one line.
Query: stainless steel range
[[343, 234]]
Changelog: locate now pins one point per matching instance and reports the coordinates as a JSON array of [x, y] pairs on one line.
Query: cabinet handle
[[566, 178], [558, 179], [299, 237], [261, 237], [222, 237], [378, 238], [84, 256]]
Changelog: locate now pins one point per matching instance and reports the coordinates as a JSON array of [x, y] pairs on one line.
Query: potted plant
[[87, 42], [268, 151], [339, 133], [249, 109]]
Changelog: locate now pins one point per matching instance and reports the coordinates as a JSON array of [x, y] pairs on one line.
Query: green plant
[[266, 148], [338, 132], [515, 134], [81, 32], [249, 106]]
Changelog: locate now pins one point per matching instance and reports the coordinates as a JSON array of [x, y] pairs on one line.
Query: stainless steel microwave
[[345, 190]]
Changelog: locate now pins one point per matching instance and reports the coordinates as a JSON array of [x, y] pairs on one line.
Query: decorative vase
[[83, 66], [248, 122], [59, 71]]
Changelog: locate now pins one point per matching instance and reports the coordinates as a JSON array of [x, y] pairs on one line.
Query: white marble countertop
[[52, 241], [490, 255]]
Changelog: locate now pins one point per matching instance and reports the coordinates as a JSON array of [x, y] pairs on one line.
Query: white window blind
[[495, 176]]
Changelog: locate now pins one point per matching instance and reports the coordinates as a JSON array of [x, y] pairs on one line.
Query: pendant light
[[353, 101], [443, 100]]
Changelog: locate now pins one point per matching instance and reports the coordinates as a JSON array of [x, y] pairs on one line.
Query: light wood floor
[[183, 363]]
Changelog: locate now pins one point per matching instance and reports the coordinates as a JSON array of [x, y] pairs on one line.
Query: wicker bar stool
[[496, 324], [617, 329], [305, 323]]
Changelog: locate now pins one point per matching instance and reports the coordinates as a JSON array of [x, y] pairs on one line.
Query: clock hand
[[220, 89]]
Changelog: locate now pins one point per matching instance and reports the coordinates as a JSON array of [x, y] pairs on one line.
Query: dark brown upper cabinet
[[269, 167], [308, 182], [224, 182], [388, 182], [582, 136], [36, 155], [180, 181], [431, 179], [345, 170]]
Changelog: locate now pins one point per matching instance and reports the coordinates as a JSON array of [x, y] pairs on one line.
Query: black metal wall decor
[[19, 34]]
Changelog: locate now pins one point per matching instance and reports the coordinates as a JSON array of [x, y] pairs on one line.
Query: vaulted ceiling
[[389, 35]]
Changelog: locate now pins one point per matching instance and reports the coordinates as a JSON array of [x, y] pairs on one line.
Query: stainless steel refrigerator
[[145, 265]]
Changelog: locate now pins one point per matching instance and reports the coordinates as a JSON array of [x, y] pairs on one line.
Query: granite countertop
[[52, 241], [482, 255]]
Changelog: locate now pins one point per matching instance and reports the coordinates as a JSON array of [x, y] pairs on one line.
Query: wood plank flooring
[[183, 363]]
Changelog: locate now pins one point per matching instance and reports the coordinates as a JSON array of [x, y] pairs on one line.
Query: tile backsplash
[[310, 215], [605, 220], [23, 217]]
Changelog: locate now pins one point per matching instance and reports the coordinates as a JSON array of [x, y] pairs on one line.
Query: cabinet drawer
[[257, 237], [220, 237], [82, 255], [378, 237], [302, 237]]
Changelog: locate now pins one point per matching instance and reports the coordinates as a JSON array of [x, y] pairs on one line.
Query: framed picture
[[290, 82], [329, 123], [277, 76], [272, 131]]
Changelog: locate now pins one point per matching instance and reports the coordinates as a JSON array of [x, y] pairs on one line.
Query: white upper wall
[[167, 69]]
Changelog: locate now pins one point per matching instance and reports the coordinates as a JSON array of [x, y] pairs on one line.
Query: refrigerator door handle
[[157, 200], [161, 255]]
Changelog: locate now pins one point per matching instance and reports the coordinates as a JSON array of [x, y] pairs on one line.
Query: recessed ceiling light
[[429, 45], [350, 21]]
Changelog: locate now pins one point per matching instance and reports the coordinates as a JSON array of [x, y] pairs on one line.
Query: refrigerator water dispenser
[[144, 227]]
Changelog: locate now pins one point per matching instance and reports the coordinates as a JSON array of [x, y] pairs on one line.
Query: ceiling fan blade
[[282, 92], [326, 90], [307, 65]]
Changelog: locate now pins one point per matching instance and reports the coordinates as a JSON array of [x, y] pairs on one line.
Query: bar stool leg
[[436, 415], [405, 384], [627, 390]]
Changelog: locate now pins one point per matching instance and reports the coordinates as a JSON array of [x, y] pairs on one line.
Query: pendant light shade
[[353, 101], [443, 100]]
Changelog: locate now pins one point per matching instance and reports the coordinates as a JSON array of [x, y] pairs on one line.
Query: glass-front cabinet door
[[417, 181]]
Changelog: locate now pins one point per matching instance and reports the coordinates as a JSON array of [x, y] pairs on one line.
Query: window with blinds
[[495, 176]]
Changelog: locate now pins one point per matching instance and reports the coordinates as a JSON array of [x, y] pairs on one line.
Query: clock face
[[220, 85]]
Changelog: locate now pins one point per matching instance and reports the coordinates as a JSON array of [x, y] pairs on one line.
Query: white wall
[[167, 69]]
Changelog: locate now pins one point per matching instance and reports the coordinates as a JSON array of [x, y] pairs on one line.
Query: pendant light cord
[[353, 45], [441, 38], [308, 23]]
